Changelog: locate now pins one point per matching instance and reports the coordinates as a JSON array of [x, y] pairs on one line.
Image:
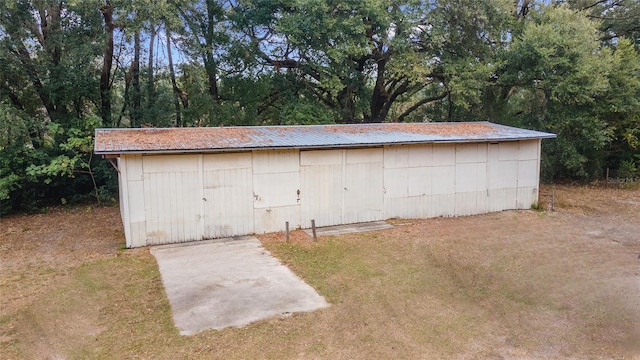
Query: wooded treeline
[[69, 66]]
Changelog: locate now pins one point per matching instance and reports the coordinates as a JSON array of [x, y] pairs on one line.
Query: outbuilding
[[186, 184]]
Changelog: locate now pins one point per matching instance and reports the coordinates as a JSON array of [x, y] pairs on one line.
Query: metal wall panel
[[363, 186], [228, 194], [123, 199], [341, 186], [321, 189], [276, 161], [443, 180], [444, 155], [467, 153], [528, 173], [273, 219], [276, 188], [423, 155], [440, 205], [321, 157], [529, 150], [171, 198], [396, 176], [396, 183], [396, 156]]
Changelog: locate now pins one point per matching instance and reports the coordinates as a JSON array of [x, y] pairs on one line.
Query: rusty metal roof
[[216, 139]]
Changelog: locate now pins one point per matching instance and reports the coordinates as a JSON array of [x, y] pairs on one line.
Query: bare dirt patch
[[515, 284]]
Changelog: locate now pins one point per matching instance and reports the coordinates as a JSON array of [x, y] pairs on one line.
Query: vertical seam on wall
[[202, 220]]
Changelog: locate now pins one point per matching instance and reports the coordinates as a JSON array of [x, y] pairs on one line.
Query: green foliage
[[627, 170], [557, 78], [533, 64], [76, 157]]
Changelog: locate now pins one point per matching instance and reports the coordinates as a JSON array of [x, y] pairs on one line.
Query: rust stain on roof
[[443, 129], [117, 141]]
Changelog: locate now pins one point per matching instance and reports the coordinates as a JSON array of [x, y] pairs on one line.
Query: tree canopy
[[69, 66]]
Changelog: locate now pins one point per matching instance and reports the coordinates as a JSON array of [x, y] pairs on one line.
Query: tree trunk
[[125, 103], [209, 61], [380, 95], [107, 62], [136, 112], [176, 90], [150, 80]]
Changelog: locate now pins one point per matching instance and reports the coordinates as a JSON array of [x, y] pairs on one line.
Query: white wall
[[175, 198]]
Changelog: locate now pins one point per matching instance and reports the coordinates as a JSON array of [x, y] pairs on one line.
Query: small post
[[286, 225], [553, 199], [313, 228], [606, 184]]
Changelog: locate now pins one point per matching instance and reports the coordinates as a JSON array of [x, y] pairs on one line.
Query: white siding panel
[[321, 157], [423, 155], [493, 175], [420, 182], [275, 161], [441, 205], [364, 193], [363, 156], [509, 151], [413, 207], [443, 180], [482, 152], [465, 203], [274, 219], [527, 173], [529, 150], [278, 189], [507, 176], [321, 194], [526, 197], [466, 177], [444, 154], [227, 161], [396, 157], [134, 167], [482, 202], [173, 198], [229, 201], [136, 201], [396, 183], [170, 202], [138, 234], [396, 208], [167, 163], [466, 153], [123, 197], [502, 199]]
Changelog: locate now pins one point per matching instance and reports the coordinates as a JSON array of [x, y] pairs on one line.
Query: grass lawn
[[514, 284]]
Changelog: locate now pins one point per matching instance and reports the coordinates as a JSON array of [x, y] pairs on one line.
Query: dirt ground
[[515, 284]]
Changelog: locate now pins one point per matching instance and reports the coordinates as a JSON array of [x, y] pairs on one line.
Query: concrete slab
[[350, 228], [229, 282]]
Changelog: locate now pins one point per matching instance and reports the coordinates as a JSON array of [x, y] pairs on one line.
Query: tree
[[553, 75], [107, 63], [77, 156], [360, 58]]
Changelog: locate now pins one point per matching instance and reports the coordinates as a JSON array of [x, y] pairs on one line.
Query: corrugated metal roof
[[215, 139]]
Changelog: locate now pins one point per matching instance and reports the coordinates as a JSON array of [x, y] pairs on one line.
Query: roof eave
[[327, 146]]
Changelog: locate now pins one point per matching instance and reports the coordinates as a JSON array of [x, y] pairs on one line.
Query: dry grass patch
[[515, 284]]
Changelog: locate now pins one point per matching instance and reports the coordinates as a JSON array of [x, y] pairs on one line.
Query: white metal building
[[185, 184]]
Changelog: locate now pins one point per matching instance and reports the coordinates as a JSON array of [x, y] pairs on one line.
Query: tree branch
[[420, 103]]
